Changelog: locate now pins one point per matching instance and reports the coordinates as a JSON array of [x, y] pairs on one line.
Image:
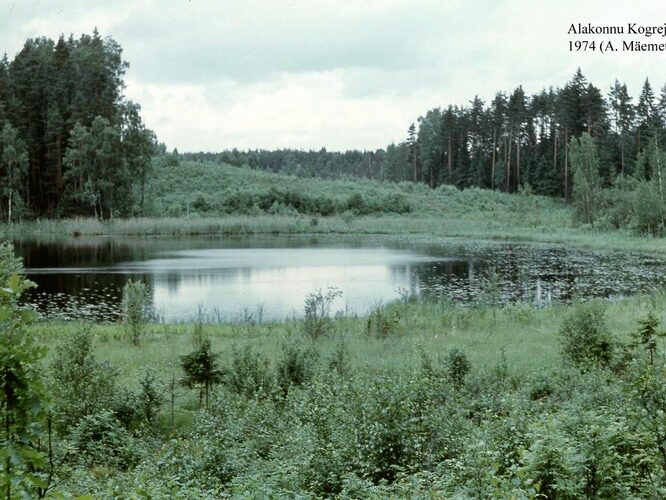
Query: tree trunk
[[518, 164], [508, 163], [566, 164], [492, 168], [450, 158], [555, 150], [622, 154]]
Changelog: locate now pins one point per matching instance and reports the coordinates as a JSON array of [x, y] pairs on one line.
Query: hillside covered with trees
[[514, 140], [603, 153]]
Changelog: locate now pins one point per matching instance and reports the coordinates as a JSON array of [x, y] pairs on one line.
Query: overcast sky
[[212, 75]]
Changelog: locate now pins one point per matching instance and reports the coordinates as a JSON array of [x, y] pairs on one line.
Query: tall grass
[[527, 336]]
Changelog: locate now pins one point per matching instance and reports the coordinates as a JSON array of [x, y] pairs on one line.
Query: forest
[[70, 143], [515, 141]]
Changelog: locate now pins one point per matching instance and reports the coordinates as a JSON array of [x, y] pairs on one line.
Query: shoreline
[[401, 227]]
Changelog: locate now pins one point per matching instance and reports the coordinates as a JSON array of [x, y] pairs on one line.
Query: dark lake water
[[269, 277]]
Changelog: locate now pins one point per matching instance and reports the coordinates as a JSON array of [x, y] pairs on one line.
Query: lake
[[268, 278]]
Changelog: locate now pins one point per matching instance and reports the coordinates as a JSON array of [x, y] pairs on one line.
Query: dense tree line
[[381, 164], [513, 141], [70, 143]]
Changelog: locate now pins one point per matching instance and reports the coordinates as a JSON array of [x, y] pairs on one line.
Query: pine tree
[[412, 150], [623, 117]]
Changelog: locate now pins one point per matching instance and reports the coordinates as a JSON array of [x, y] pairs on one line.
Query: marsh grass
[[528, 337]]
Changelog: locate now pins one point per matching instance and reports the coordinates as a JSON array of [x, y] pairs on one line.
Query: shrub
[[135, 309], [22, 395], [382, 322], [100, 440], [339, 361], [201, 370], [648, 210], [317, 312], [541, 387], [249, 373], [150, 398], [9, 264], [647, 335], [356, 203], [296, 367], [81, 385], [585, 337], [457, 366]]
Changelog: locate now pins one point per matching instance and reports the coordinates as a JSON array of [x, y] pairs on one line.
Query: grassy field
[[174, 192], [526, 335]]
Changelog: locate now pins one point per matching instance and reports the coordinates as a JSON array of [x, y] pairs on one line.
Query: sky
[[345, 74]]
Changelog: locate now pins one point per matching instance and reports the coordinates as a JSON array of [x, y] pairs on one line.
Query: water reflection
[[84, 277]]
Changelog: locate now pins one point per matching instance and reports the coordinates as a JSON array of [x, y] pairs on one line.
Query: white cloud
[[339, 74]]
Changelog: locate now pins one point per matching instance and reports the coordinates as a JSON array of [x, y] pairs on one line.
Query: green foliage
[[584, 159], [648, 394], [150, 398], [296, 367], [382, 321], [10, 265], [100, 440], [250, 195], [81, 384], [91, 144], [585, 338], [249, 373], [486, 422], [457, 366], [22, 394], [648, 209], [135, 309], [542, 386], [339, 360], [317, 312], [201, 370], [647, 334], [13, 170], [390, 430]]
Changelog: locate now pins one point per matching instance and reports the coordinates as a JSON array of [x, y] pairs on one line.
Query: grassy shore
[[527, 336], [173, 193], [401, 226]]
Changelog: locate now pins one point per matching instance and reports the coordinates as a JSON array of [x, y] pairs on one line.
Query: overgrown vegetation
[[135, 309], [24, 461], [422, 399]]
